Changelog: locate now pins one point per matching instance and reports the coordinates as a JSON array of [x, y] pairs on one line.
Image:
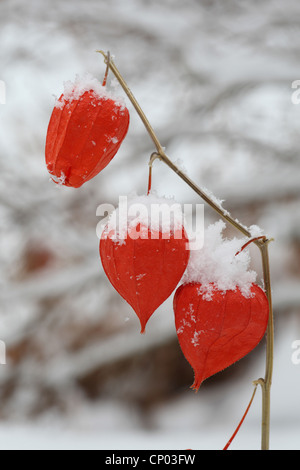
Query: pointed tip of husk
[[196, 385]]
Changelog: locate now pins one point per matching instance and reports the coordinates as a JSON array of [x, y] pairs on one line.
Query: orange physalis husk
[[86, 129], [216, 331]]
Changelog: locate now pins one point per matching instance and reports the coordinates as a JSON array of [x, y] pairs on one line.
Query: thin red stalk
[[250, 241], [106, 71], [150, 179], [242, 420]]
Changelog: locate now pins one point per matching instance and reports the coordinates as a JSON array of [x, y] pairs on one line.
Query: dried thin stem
[[266, 383], [261, 242], [128, 92], [161, 153]]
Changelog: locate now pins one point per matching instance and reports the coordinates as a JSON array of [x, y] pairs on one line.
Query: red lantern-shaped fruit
[[216, 331], [86, 129], [145, 266]]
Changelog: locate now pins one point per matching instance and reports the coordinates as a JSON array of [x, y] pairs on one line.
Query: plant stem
[[267, 382], [261, 242]]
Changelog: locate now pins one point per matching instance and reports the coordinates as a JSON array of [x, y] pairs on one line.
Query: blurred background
[[215, 80]]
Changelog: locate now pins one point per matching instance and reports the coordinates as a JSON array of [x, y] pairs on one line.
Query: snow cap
[[216, 265], [153, 212], [82, 84]]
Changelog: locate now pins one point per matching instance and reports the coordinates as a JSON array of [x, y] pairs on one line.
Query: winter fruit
[[145, 266], [86, 129], [216, 331]]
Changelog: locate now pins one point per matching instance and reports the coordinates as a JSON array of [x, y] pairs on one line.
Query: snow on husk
[[86, 83], [151, 211], [218, 266]]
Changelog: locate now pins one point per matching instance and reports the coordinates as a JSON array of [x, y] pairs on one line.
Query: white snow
[[195, 339], [82, 84], [150, 211], [59, 180], [218, 266], [218, 202]]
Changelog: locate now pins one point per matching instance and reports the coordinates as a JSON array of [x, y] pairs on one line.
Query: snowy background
[[214, 79]]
